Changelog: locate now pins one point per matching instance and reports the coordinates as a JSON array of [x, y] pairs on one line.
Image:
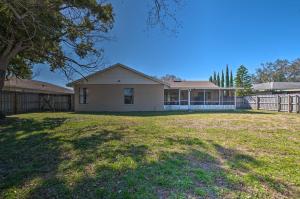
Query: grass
[[150, 155]]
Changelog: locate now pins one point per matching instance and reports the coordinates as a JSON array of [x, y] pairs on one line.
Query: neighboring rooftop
[[26, 85], [279, 86]]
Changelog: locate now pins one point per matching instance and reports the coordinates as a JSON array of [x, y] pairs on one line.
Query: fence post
[[53, 102], [257, 102], [235, 102], [289, 103], [39, 103], [70, 102], [278, 103], [15, 103]]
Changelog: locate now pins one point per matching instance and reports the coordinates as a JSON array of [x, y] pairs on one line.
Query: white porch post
[[219, 97], [189, 98], [178, 96], [204, 97], [235, 99]]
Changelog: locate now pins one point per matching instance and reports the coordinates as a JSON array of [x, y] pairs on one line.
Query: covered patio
[[180, 97]]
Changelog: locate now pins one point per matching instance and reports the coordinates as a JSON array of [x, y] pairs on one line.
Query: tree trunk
[[3, 67], [2, 77], [10, 52]]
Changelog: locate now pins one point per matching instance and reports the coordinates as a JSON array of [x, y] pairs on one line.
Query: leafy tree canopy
[[169, 77], [60, 33], [243, 80], [215, 78], [231, 79], [222, 79], [227, 79], [278, 71], [218, 80], [35, 31]]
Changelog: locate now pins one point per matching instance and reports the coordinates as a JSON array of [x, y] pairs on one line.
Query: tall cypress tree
[[210, 79], [227, 81], [215, 78], [231, 79], [243, 80], [222, 80], [218, 79]]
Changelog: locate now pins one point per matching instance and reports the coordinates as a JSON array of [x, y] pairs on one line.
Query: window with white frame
[[128, 95], [82, 95]]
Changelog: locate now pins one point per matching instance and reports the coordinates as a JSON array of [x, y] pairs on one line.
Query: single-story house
[[277, 88], [121, 88]]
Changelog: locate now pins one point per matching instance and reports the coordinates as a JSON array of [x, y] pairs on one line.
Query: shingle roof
[[276, 86], [170, 84], [35, 86], [114, 66], [192, 84]]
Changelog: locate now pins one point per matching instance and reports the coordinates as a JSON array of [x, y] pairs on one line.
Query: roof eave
[[32, 90], [71, 84]]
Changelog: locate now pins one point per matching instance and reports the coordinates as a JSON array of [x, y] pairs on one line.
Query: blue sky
[[213, 33]]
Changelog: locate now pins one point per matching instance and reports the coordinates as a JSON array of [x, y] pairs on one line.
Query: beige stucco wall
[[109, 97]]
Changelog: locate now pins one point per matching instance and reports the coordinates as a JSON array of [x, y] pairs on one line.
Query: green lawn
[[150, 155]]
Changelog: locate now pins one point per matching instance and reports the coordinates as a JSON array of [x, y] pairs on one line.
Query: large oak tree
[[61, 33], [39, 31]]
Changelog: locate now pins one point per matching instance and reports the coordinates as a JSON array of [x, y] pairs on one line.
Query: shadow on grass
[[128, 173], [110, 166], [171, 141], [170, 113], [27, 150], [246, 164]]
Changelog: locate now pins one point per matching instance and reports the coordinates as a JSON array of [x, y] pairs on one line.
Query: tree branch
[[9, 46], [16, 49], [19, 17]]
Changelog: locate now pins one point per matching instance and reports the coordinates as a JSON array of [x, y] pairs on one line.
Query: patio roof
[[195, 85]]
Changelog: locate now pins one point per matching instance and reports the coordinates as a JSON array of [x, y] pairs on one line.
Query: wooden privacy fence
[[12, 102], [284, 103]]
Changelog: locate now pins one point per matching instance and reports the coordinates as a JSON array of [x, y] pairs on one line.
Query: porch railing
[[185, 102]]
